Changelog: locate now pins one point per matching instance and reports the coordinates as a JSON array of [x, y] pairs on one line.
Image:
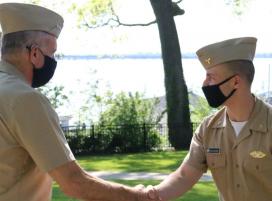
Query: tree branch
[[119, 23], [177, 2], [129, 25], [115, 18], [86, 24]]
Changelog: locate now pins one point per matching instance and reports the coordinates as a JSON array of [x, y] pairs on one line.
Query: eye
[[213, 79], [210, 78]]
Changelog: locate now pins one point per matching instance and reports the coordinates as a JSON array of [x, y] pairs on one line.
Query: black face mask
[[41, 76], [214, 95]]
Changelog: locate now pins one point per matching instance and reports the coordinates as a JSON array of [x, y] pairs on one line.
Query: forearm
[[97, 189], [177, 183], [77, 183], [172, 187]]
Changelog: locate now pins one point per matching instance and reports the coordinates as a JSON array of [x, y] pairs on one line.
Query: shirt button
[[257, 167], [237, 166], [238, 185]]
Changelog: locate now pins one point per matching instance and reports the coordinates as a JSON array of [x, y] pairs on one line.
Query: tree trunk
[[179, 124]]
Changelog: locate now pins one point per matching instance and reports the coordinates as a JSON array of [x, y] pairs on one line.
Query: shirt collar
[[257, 120], [11, 70], [259, 116], [221, 120]]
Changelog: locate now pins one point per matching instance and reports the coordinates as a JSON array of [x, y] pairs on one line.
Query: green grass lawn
[[162, 162], [203, 191]]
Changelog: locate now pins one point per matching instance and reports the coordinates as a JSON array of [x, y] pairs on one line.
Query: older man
[[33, 148], [236, 142]]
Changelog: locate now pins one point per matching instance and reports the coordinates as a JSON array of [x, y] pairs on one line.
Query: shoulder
[[264, 109], [16, 93], [30, 97], [27, 101], [268, 107], [213, 119], [265, 113], [14, 90], [32, 106]]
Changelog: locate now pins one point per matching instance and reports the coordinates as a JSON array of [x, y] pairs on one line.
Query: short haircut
[[244, 68], [17, 41]]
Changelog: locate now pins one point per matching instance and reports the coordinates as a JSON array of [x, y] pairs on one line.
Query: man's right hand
[[147, 194], [153, 193]]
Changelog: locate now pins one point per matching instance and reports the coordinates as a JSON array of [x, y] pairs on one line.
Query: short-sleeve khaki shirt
[[241, 166], [31, 140]]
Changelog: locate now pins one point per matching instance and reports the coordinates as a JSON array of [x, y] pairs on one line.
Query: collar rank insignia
[[257, 154]]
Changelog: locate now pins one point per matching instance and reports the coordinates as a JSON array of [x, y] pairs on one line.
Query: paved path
[[138, 176]]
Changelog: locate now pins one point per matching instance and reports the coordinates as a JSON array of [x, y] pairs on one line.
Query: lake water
[[145, 75]]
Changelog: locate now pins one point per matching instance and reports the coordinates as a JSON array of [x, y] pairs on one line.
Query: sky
[[204, 22]]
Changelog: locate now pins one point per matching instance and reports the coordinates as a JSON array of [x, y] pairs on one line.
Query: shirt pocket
[[216, 160], [217, 164], [259, 173]]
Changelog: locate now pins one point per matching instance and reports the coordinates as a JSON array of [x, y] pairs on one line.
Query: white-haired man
[[33, 149]]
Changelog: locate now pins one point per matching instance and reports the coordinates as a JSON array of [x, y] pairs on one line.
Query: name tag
[[213, 150]]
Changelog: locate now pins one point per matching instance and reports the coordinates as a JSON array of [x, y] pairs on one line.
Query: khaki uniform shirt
[[241, 166], [31, 140]]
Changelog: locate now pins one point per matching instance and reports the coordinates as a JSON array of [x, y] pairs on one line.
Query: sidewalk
[[139, 176]]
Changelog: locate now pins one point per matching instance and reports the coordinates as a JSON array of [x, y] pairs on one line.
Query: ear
[[36, 57]]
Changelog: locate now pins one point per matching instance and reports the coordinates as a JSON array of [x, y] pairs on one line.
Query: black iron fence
[[118, 138]]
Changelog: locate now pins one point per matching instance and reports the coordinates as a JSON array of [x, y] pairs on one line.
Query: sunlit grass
[[58, 195], [163, 162], [202, 191]]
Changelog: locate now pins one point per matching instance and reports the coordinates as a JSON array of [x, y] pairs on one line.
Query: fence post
[[92, 137], [145, 137]]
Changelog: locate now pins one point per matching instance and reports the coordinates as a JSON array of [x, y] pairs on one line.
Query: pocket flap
[[216, 160]]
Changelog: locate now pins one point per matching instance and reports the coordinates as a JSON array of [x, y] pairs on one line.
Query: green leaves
[[128, 109], [37, 2], [131, 122], [239, 6], [200, 110], [94, 13], [55, 94]]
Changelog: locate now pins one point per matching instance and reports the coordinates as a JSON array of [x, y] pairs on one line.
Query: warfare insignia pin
[[257, 154]]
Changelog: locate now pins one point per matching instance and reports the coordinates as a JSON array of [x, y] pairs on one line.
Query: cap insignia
[[208, 61]]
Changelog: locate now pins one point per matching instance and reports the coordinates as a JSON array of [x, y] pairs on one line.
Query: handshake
[[149, 193]]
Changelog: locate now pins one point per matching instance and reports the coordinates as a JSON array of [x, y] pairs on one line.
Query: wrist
[[128, 193], [153, 193]]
